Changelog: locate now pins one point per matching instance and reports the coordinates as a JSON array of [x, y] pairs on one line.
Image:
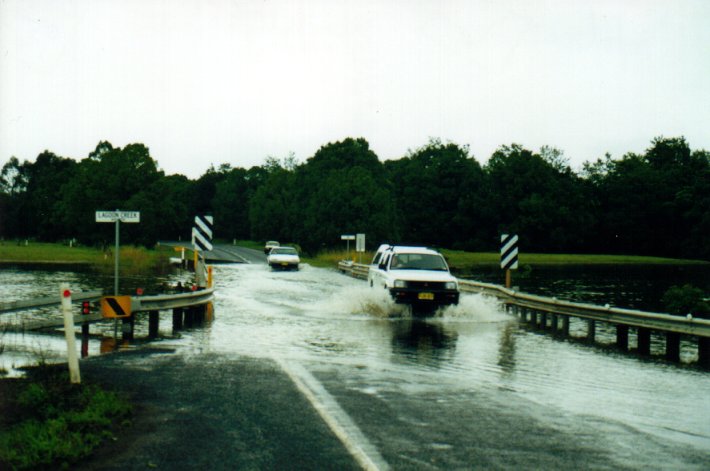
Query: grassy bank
[[462, 261], [48, 423], [132, 259]]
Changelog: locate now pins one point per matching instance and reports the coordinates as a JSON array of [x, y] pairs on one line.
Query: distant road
[[226, 253]]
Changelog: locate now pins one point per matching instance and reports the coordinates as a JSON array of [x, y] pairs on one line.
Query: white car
[[270, 245], [416, 276], [283, 258]]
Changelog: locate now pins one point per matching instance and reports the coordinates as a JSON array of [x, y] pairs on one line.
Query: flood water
[[428, 374]]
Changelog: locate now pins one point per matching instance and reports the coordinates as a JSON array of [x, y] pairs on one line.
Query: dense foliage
[[657, 203]]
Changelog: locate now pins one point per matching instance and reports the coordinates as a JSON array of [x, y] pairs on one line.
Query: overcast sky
[[232, 81]]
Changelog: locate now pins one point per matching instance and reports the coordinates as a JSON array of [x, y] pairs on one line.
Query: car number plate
[[284, 264], [426, 296]]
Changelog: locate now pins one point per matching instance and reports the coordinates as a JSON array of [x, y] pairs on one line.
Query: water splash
[[476, 308]]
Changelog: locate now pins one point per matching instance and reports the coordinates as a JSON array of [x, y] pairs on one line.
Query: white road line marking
[[337, 419]]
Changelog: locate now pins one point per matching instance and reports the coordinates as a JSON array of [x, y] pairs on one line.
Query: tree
[[546, 205], [107, 180], [437, 188]]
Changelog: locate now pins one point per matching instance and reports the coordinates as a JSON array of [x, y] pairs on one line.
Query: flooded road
[[432, 393], [470, 388]]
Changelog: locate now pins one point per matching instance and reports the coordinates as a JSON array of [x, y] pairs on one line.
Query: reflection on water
[[423, 342]]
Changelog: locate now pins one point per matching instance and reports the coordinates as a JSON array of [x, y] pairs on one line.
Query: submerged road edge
[[335, 417]]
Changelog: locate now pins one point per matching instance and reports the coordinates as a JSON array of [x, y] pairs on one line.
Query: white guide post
[[72, 357]]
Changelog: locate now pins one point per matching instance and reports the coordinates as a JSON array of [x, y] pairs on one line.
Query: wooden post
[[533, 317], [72, 357], [673, 346], [543, 320], [704, 351], [591, 329], [565, 325], [554, 321], [622, 336], [644, 341], [128, 327], [508, 281], [84, 335], [153, 324], [177, 318]]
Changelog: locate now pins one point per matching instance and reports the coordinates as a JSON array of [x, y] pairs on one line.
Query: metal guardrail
[[138, 304], [48, 301], [171, 301], [614, 315]]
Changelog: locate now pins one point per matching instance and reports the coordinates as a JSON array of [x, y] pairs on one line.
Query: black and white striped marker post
[[508, 255], [202, 233]]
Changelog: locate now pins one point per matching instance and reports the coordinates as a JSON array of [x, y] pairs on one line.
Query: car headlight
[[450, 285], [400, 284]]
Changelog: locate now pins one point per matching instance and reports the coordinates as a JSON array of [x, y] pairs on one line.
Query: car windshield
[[418, 261], [284, 251]]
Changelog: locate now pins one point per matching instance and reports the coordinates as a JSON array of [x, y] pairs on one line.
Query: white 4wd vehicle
[[417, 276]]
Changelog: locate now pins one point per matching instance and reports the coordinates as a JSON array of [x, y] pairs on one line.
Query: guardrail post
[[128, 327], [591, 329], [543, 320], [523, 314], [673, 346], [622, 336], [153, 323], [553, 321], [565, 325], [704, 351], [177, 318], [644, 341]]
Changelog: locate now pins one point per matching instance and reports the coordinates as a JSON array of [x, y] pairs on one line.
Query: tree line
[[655, 203]]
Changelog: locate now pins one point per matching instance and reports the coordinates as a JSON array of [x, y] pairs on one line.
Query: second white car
[[283, 258]]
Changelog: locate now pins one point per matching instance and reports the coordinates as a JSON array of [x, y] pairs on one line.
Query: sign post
[[360, 244], [201, 242], [508, 255], [348, 238], [117, 217]]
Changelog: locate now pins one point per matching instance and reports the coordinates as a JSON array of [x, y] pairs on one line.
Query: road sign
[[360, 243], [347, 237], [116, 306], [202, 233], [122, 216], [509, 251], [117, 217]]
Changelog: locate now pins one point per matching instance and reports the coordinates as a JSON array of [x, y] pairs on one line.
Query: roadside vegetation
[[652, 203], [48, 423], [465, 261]]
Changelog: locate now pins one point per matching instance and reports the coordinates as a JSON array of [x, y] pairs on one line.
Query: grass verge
[[459, 260], [132, 259], [48, 423], [462, 261]]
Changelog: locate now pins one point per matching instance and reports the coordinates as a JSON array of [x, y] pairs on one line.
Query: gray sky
[[231, 81]]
